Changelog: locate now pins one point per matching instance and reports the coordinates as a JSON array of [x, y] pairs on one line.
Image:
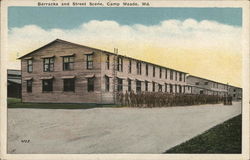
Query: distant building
[[14, 83], [65, 72], [209, 87]]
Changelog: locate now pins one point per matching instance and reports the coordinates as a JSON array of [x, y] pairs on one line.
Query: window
[[138, 67], [119, 85], [47, 85], [48, 64], [107, 83], [197, 83], [175, 88], [176, 75], [91, 84], [29, 65], [69, 85], [180, 76], [153, 86], [171, 75], [180, 89], [166, 87], [166, 73], [68, 63], [29, 85], [146, 69], [89, 61], [206, 83], [160, 72], [107, 61], [129, 85], [184, 78], [120, 64], [159, 87], [171, 88], [130, 66], [146, 85], [153, 71], [138, 86]]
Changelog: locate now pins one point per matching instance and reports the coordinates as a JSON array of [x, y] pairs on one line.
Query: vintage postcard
[[124, 79]]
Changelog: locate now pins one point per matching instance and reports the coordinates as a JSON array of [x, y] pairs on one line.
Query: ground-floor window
[[107, 83], [129, 85], [47, 85], [180, 89], [91, 84], [119, 85], [29, 85], [146, 85], [138, 86], [171, 88], [153, 86], [69, 85], [160, 87], [166, 87]]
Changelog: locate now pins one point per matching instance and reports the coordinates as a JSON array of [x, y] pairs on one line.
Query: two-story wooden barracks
[[65, 72]]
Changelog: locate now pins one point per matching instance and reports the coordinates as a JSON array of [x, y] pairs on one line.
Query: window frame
[[108, 61], [119, 85], [107, 84], [129, 85], [146, 69], [29, 65], [49, 87], [153, 71], [138, 86], [119, 64], [69, 88], [91, 84], [69, 62], [90, 61], [138, 67], [49, 64], [130, 66], [29, 84]]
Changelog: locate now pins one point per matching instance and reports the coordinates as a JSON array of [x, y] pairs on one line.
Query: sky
[[204, 42]]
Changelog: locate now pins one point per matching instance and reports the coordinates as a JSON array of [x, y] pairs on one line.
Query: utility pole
[[115, 74]]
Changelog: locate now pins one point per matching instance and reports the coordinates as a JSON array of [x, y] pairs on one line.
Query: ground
[[111, 130]]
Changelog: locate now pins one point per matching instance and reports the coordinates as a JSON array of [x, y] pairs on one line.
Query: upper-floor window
[[138, 67], [171, 75], [176, 75], [180, 89], [153, 71], [166, 73], [206, 83], [89, 61], [130, 66], [197, 83], [146, 69], [29, 85], [48, 64], [120, 64], [180, 76], [91, 84], [29, 65], [47, 85], [160, 71], [69, 85], [107, 61], [68, 63]]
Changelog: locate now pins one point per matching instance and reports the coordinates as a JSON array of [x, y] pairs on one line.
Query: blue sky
[[71, 17]]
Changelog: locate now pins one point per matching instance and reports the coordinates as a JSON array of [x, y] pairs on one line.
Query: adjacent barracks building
[[65, 72]]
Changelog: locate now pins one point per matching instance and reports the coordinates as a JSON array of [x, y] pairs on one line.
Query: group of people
[[160, 99]]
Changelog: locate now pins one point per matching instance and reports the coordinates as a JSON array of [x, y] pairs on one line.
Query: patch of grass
[[16, 103], [223, 138]]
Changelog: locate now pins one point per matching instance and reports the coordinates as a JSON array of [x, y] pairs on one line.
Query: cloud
[[168, 41]]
